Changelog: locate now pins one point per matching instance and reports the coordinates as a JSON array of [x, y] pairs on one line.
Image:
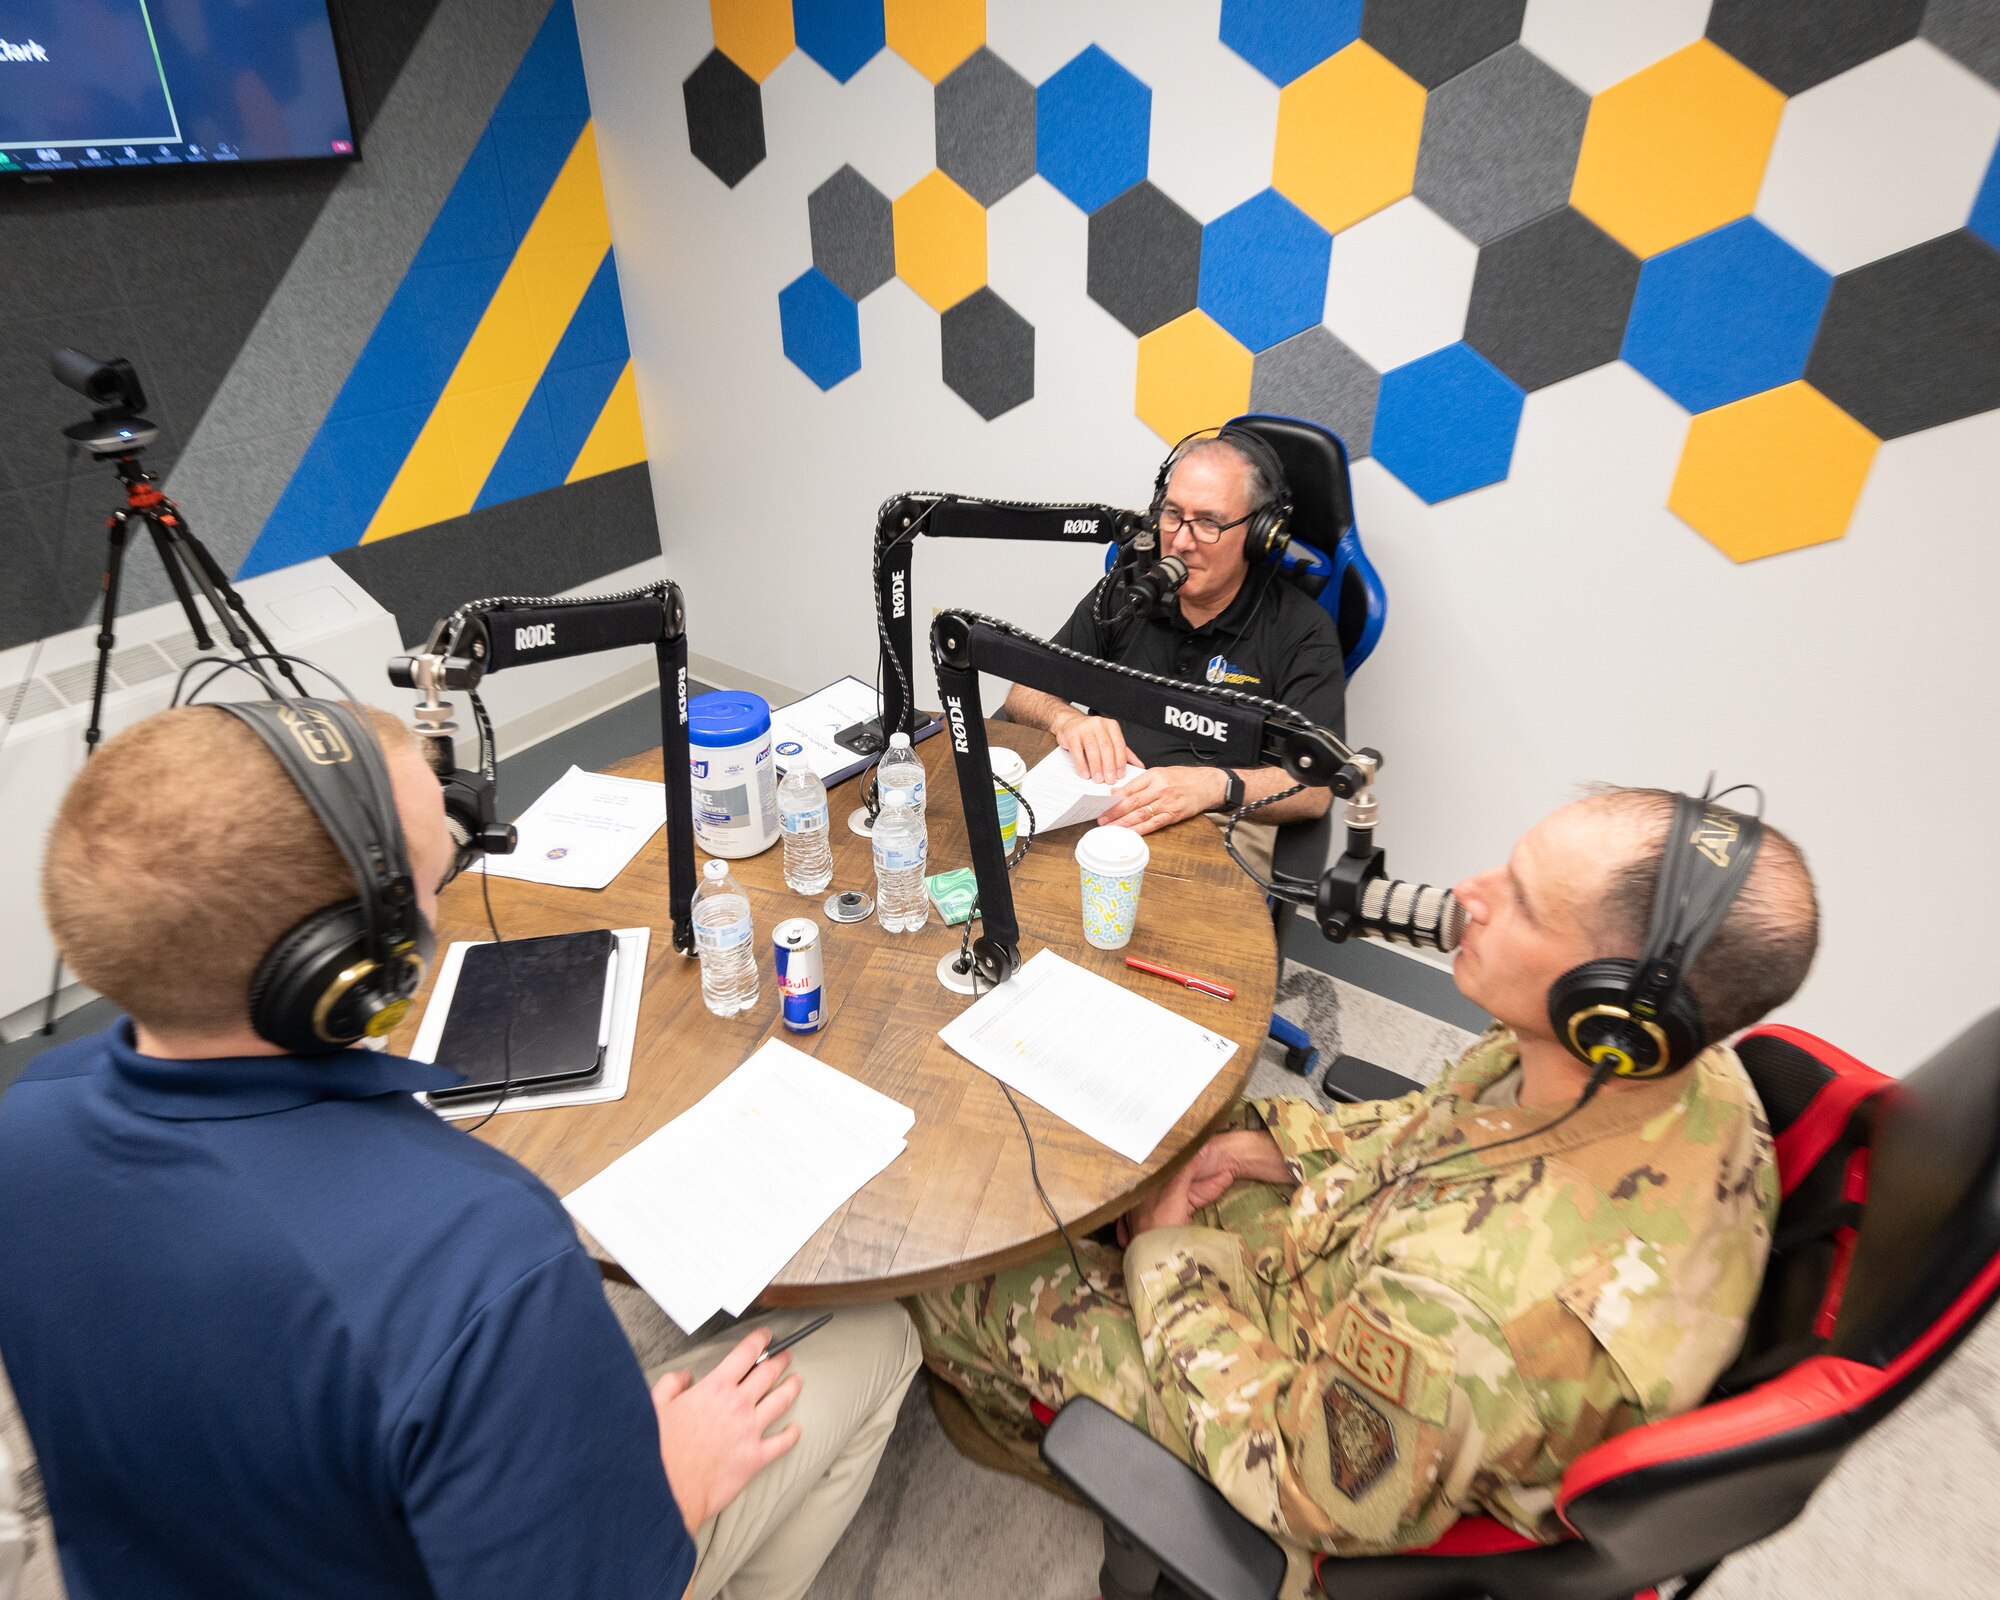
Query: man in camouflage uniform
[[1358, 1348]]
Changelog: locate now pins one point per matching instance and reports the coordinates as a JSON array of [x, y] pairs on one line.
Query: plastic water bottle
[[900, 847], [802, 815], [725, 941], [901, 768]]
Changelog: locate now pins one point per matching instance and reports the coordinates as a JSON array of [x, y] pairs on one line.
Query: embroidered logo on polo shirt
[[1222, 670]]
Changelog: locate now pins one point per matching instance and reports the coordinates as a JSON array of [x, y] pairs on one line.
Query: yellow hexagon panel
[[934, 35], [1778, 471], [1191, 375], [940, 241], [1347, 137], [1676, 149], [755, 34]]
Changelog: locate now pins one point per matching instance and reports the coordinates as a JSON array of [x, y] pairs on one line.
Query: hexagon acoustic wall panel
[[1785, 214]]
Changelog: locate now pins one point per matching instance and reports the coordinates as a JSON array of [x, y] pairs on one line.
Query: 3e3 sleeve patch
[[1360, 1444], [1373, 1354]]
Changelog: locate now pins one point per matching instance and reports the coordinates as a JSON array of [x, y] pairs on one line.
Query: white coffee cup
[[1112, 864]]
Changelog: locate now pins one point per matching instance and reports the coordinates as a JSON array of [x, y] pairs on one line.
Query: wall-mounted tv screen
[[168, 83]]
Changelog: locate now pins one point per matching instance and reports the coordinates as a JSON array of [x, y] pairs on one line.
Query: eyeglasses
[[1205, 529]]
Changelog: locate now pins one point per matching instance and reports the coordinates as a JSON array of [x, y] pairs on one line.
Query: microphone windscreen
[[1412, 913]]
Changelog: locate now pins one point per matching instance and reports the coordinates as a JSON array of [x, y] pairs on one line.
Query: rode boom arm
[[516, 630], [953, 516], [1239, 729]]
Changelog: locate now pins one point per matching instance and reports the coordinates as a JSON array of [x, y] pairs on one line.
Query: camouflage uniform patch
[[1359, 1440]]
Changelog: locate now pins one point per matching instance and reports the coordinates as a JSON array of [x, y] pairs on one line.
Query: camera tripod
[[189, 566]]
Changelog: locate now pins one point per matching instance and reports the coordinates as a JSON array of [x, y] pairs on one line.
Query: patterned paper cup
[[1112, 862], [1007, 765]]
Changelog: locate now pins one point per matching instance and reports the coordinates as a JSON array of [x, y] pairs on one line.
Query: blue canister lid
[[726, 717]]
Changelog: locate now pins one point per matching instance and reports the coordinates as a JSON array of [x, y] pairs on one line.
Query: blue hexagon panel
[[1726, 316], [1092, 119], [1445, 423], [822, 328], [1986, 209], [1284, 38], [1263, 270], [841, 35]]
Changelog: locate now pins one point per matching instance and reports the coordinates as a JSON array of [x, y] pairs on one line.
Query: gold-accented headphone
[[1637, 1019], [1265, 534], [347, 971]]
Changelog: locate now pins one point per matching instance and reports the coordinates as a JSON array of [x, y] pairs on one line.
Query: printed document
[[1102, 1058], [707, 1211], [583, 832], [1062, 796], [804, 730]]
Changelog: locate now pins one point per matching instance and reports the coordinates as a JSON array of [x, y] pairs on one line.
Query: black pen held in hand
[[792, 1338]]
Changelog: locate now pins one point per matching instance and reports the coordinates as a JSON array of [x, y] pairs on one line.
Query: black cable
[[513, 1004], [1590, 1089]]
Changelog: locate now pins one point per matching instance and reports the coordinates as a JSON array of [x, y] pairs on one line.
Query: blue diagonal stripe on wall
[[572, 391], [401, 371]]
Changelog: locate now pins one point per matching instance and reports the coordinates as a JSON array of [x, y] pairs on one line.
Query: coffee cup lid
[[1112, 850], [1008, 764]]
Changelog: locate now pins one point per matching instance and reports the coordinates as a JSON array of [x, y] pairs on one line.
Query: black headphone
[[348, 971], [1264, 536], [1636, 1019]]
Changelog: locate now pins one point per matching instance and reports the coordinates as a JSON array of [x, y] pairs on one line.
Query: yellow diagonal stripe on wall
[[523, 324], [615, 440]]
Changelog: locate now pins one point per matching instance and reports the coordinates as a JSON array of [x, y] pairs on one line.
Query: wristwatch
[[1232, 795]]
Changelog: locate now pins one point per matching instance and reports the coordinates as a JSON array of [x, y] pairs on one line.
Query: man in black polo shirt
[[1229, 625]]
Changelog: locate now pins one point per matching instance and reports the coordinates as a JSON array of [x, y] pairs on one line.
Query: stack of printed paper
[[708, 1210]]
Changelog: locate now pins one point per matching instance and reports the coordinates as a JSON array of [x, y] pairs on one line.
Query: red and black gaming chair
[[1887, 1253]]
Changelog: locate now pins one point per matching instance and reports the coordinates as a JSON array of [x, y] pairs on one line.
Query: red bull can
[[801, 970]]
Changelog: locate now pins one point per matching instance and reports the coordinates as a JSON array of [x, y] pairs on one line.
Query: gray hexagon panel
[[1550, 300], [725, 115], [986, 127], [853, 233], [989, 354], [1968, 30], [1500, 143], [1314, 376], [1145, 259]]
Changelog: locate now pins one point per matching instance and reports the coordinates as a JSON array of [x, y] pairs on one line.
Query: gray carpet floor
[[1912, 1511]]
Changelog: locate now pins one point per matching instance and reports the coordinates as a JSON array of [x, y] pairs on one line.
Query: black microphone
[[1410, 913], [1151, 589]]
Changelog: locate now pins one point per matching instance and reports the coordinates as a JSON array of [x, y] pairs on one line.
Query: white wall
[[1555, 628]]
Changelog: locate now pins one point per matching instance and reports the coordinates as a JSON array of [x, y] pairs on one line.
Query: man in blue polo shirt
[[278, 1330]]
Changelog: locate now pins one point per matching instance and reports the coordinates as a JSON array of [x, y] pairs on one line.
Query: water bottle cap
[[895, 797], [714, 871], [899, 741]]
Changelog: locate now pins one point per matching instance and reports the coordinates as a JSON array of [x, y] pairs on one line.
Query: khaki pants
[[1255, 841], [770, 1541]]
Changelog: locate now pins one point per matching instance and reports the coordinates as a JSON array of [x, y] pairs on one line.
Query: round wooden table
[[959, 1202]]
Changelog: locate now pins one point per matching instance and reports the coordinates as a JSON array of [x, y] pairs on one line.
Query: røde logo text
[[536, 636], [1195, 722], [956, 713], [1080, 525], [30, 51], [898, 600]]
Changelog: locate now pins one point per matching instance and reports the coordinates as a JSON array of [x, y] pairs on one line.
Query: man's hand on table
[[1220, 1164], [1096, 745], [1161, 796], [713, 1431]]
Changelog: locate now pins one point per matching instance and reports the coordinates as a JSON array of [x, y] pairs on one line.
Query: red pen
[[1186, 980]]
